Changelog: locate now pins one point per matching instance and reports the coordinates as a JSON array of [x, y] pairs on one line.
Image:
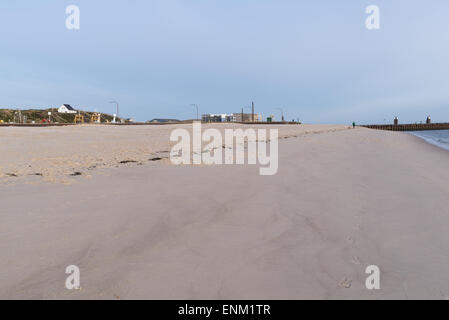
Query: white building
[[66, 108]]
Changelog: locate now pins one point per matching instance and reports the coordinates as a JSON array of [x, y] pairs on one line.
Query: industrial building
[[235, 117], [247, 117], [218, 118]]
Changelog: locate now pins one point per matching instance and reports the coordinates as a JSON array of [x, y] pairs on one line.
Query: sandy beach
[[343, 199], [55, 154]]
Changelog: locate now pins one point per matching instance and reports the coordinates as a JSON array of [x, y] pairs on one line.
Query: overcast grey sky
[[316, 59]]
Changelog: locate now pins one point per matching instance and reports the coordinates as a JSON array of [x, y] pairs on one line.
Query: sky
[[314, 59]]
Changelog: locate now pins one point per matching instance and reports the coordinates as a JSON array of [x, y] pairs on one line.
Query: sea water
[[439, 138]]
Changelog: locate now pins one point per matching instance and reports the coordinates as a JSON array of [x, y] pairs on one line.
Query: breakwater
[[409, 127]]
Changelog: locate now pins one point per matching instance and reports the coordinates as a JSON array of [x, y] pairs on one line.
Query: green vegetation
[[37, 115]]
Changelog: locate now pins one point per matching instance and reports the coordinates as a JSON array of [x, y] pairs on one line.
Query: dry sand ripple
[[57, 153]]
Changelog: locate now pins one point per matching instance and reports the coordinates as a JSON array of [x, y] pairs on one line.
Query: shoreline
[[431, 140]]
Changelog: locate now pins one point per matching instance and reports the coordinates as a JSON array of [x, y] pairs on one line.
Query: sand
[[342, 200], [57, 153]]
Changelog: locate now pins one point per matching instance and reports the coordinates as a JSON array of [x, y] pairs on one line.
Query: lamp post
[[116, 103], [282, 113], [197, 113]]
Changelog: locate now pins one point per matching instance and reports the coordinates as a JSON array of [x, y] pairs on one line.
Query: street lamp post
[[116, 103], [282, 113]]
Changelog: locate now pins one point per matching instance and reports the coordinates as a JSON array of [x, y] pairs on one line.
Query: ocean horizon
[[439, 138]]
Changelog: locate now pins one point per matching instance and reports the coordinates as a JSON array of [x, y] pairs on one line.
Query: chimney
[[252, 112]]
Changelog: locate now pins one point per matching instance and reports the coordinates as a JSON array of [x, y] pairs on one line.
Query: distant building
[[217, 117], [66, 108], [235, 117], [247, 117]]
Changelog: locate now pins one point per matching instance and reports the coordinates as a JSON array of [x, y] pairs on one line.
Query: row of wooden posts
[[409, 127]]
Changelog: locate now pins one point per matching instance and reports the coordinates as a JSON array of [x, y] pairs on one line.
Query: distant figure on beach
[[353, 125]]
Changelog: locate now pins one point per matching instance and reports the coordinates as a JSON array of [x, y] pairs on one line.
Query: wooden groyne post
[[409, 126]]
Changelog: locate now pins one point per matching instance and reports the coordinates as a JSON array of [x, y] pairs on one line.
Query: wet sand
[[341, 201]]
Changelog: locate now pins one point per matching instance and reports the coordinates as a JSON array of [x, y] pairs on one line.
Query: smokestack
[[252, 112]]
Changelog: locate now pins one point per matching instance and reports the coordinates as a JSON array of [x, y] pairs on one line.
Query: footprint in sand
[[345, 283], [355, 260]]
